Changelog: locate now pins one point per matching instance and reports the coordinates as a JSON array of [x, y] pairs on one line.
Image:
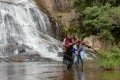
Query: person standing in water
[[75, 52], [67, 48], [79, 53], [67, 55]]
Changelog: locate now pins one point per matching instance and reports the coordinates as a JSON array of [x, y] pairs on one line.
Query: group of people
[[73, 51]]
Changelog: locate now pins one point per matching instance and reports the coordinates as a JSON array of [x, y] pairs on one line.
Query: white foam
[[22, 22]]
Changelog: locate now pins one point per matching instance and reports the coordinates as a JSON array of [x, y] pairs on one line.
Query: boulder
[[60, 54], [26, 57], [96, 43]]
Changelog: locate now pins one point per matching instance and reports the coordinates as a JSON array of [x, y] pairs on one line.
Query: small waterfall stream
[[23, 25]]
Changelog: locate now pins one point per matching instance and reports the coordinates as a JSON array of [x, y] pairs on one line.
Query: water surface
[[53, 71]]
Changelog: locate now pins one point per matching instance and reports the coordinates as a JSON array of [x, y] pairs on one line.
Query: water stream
[[24, 25], [53, 71]]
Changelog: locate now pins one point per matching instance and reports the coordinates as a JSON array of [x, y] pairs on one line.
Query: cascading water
[[22, 23]]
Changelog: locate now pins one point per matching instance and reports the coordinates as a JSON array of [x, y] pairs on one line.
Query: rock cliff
[[60, 11]]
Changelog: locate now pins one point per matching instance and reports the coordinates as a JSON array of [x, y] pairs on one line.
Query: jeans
[[79, 57]]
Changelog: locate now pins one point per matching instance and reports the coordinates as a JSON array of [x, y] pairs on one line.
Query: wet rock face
[[56, 5], [60, 54], [26, 57], [60, 11]]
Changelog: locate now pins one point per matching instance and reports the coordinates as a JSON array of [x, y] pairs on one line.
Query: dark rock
[[21, 51], [95, 43], [60, 54], [27, 57], [22, 48], [52, 48]]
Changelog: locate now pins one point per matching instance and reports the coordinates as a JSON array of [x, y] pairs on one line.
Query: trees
[[101, 20], [100, 17], [81, 4]]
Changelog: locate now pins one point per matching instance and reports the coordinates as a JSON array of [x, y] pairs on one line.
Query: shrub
[[74, 31], [101, 20], [110, 58], [100, 17]]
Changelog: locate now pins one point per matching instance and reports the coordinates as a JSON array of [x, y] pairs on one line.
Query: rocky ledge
[[26, 57]]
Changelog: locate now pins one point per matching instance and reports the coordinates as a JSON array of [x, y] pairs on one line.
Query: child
[[75, 52]]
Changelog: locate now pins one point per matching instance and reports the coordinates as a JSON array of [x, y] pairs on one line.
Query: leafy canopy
[[100, 17], [101, 20]]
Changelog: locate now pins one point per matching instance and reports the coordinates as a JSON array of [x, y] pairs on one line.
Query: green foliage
[[101, 20], [82, 4], [109, 58], [74, 31], [99, 17]]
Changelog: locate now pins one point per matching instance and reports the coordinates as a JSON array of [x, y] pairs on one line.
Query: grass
[[110, 58]]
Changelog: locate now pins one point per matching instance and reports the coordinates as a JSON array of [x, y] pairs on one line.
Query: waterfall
[[23, 24]]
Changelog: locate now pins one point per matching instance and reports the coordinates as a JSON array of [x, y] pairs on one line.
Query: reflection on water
[[79, 75], [52, 71]]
